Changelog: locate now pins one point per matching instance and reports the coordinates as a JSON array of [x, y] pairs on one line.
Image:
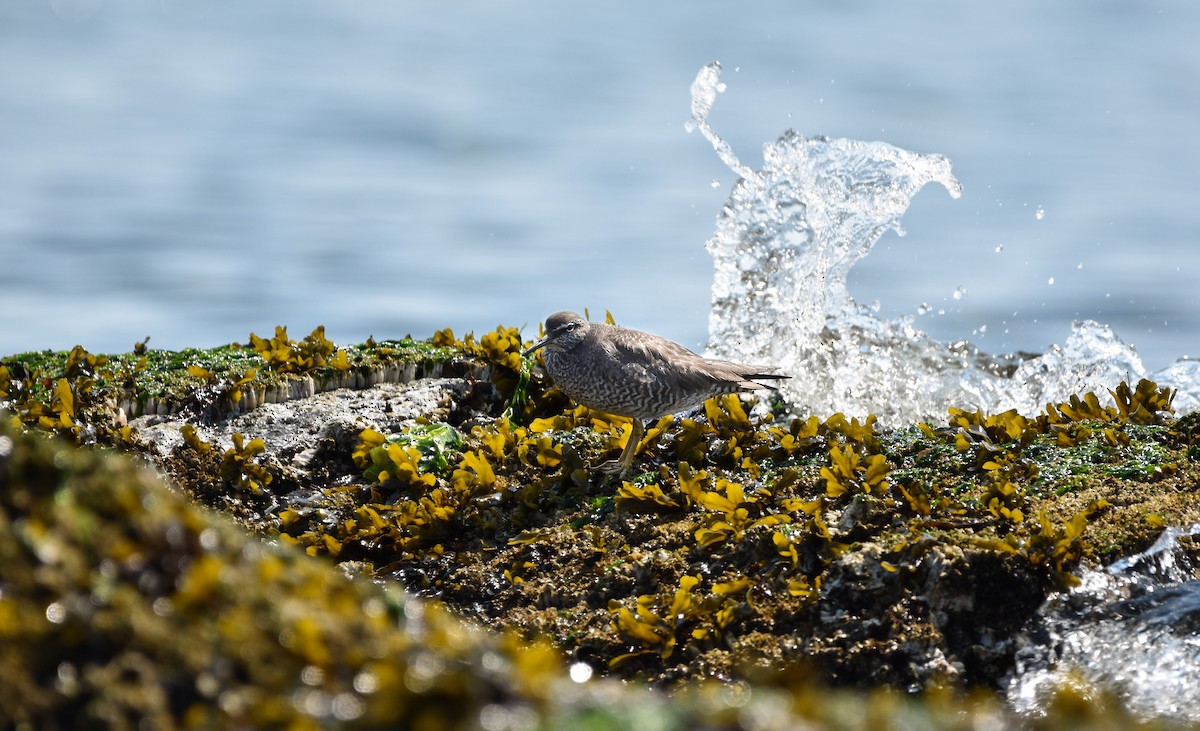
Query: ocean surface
[[195, 170]]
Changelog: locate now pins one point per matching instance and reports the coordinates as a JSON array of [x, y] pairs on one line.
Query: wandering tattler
[[632, 373]]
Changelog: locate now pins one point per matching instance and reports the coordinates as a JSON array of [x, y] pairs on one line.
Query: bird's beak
[[539, 344]]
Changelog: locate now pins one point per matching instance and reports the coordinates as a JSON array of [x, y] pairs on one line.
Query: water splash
[[1133, 628], [783, 249], [705, 88]]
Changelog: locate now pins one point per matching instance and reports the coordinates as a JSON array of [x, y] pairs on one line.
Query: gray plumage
[[632, 373]]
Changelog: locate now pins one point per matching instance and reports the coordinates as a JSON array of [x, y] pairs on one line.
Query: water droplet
[[366, 682], [1050, 281], [923, 308], [999, 248], [347, 707], [960, 292], [581, 672], [210, 540], [56, 613], [715, 183], [1040, 213], [312, 675]]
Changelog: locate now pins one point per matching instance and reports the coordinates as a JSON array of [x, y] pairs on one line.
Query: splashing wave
[[1132, 627], [783, 249]]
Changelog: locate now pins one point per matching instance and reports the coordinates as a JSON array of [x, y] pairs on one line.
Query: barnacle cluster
[[72, 399], [901, 557], [93, 396]]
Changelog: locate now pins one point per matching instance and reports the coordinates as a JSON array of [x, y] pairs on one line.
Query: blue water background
[[192, 170]]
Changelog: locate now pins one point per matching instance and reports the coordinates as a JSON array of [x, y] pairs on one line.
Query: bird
[[635, 374]]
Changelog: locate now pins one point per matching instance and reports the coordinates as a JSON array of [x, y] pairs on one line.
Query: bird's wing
[[648, 347], [650, 358]]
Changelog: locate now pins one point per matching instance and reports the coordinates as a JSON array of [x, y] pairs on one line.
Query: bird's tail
[[753, 377]]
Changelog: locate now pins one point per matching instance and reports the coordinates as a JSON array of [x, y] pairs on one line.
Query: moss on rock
[[122, 604]]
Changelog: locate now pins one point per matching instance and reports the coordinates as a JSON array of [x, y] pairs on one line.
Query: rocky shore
[[408, 534]]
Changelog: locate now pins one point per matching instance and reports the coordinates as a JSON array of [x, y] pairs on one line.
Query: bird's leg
[[622, 464]]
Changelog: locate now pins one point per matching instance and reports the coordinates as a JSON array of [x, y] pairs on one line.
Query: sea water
[[1132, 628], [192, 170]]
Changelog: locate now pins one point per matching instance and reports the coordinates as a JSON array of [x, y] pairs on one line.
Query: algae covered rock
[[122, 604], [753, 559]]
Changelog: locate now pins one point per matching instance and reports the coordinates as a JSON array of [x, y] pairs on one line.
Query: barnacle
[[238, 383], [227, 378]]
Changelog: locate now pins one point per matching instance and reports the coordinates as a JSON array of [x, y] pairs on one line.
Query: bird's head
[[564, 331]]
